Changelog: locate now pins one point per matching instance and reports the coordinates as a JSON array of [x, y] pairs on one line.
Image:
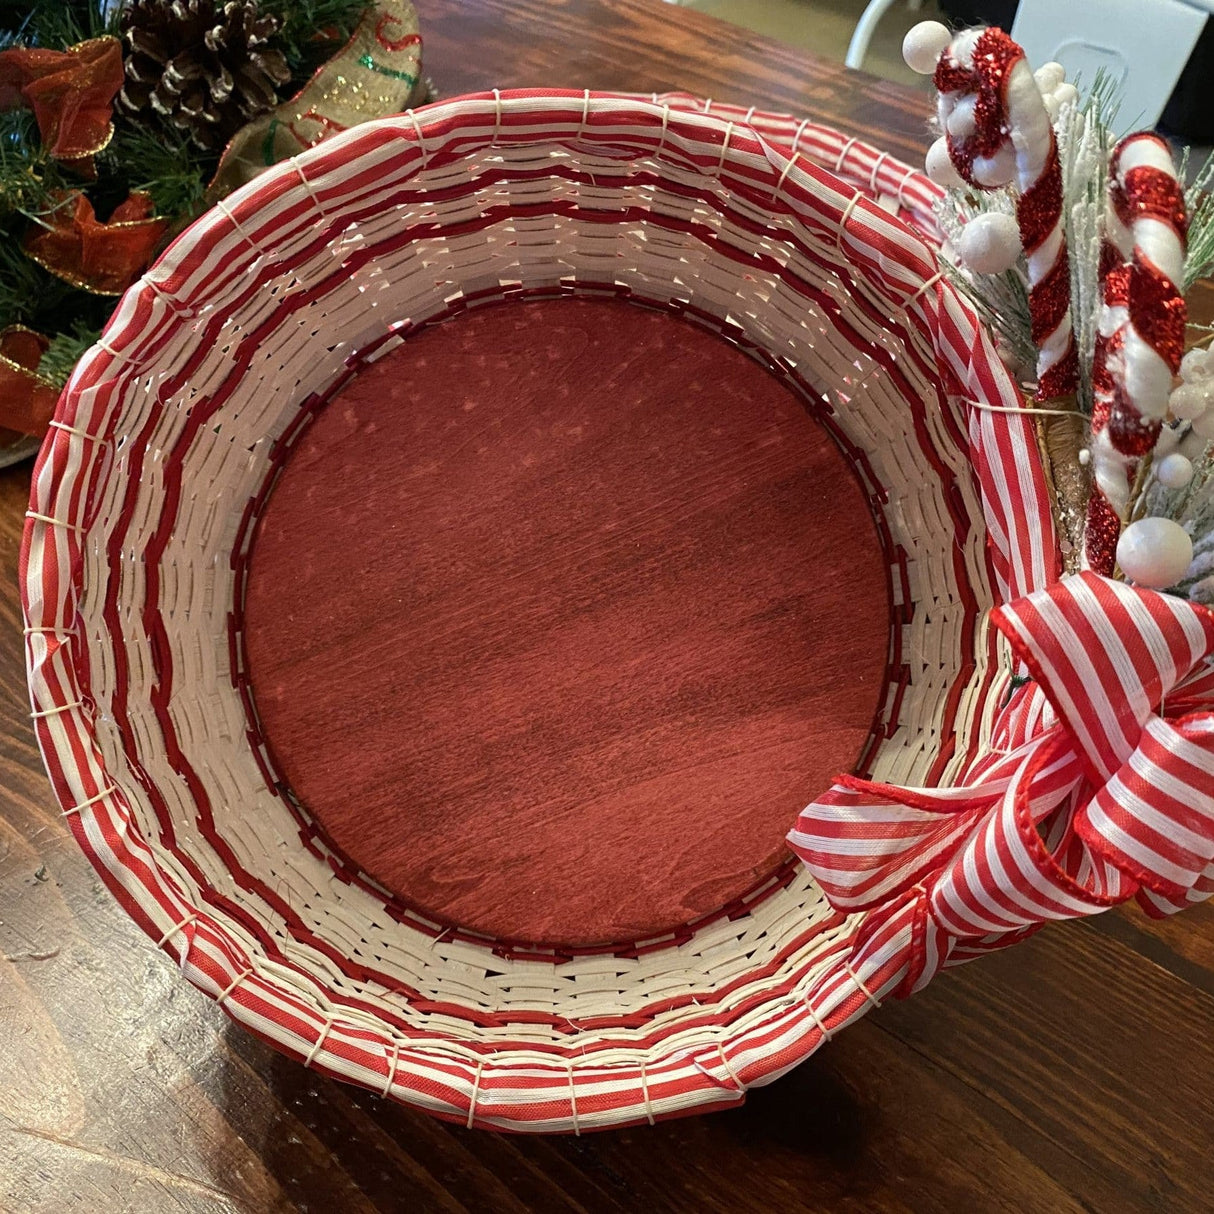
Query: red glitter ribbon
[[27, 401], [69, 91], [104, 258]]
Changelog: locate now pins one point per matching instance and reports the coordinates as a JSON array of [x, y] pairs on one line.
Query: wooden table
[[1072, 1073]]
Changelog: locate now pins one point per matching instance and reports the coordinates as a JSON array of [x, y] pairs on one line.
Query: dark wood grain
[[559, 614], [1073, 1073]]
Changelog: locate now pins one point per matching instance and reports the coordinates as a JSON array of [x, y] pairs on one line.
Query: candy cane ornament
[[1111, 475], [1142, 328], [998, 131]]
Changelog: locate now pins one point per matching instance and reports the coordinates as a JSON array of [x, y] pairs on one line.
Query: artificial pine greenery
[[313, 30], [162, 164], [55, 23], [147, 155]]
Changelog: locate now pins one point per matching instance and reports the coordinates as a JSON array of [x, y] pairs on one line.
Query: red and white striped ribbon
[[1098, 787]]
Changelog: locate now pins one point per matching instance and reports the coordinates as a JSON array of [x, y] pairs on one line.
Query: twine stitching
[[818, 1021], [843, 219], [977, 404], [665, 123], [645, 1095], [724, 148], [105, 792], [421, 138], [861, 984], [581, 130], [175, 929], [307, 185], [737, 1083], [319, 1042], [872, 177], [171, 301], [392, 1067], [227, 990], [57, 425], [902, 185], [796, 139], [222, 206], [788, 166], [926, 286], [40, 713], [54, 522], [476, 1087]]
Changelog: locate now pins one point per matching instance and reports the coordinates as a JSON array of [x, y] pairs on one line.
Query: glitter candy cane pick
[[999, 131], [1142, 327]]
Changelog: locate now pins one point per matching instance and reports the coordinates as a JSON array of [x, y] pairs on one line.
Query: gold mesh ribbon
[[377, 72], [1059, 439]]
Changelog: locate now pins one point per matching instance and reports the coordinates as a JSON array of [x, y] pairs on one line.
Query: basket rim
[[1004, 439]]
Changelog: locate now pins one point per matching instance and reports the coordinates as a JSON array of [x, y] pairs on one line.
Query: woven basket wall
[[165, 447]]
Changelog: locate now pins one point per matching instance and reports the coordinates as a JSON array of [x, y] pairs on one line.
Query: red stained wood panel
[[558, 615]]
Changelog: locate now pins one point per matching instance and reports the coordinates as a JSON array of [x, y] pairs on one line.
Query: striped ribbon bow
[[1098, 787]]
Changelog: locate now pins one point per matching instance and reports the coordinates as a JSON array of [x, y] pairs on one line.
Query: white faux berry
[[924, 44], [939, 165], [1190, 400], [1049, 76], [1174, 471], [1195, 365], [1154, 552], [990, 243]]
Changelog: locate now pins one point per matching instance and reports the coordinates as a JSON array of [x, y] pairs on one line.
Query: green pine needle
[[65, 351], [160, 164], [313, 30], [27, 175], [55, 23], [28, 294], [1199, 200]]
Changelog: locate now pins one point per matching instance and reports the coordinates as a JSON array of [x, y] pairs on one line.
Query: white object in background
[[857, 48], [1155, 552], [1142, 46]]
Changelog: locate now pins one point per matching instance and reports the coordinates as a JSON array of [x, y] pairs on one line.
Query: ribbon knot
[[1098, 787]]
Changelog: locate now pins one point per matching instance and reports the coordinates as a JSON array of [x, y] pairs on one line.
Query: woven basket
[[162, 453]]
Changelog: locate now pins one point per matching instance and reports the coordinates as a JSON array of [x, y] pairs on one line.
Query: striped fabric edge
[[1106, 796]]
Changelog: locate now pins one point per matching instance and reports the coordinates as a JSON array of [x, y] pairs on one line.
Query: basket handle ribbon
[[1098, 787]]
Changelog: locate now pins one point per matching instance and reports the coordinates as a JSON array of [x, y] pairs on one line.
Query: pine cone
[[208, 66]]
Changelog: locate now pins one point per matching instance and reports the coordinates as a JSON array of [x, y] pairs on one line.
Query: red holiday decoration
[[104, 258], [985, 74], [27, 402], [1140, 300], [1095, 790], [69, 91]]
